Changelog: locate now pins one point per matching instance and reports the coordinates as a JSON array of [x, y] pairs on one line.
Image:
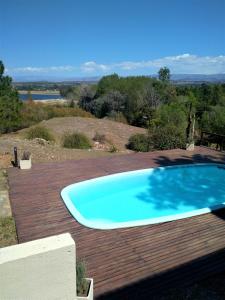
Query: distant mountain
[[41, 78], [198, 78], [176, 78]]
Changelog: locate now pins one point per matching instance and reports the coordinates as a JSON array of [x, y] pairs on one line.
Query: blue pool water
[[146, 196]]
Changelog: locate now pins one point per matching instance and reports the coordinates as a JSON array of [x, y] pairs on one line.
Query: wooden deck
[[130, 263]]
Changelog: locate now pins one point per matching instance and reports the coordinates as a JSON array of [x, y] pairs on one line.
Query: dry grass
[[42, 153], [7, 232], [117, 133]]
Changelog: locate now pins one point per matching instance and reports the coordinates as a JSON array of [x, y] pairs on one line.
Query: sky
[[75, 38]]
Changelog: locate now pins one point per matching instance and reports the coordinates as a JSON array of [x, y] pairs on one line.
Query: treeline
[[150, 102], [41, 86], [174, 115]]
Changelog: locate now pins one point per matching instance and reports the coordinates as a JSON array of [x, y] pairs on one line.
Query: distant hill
[[176, 78], [198, 78], [53, 79]]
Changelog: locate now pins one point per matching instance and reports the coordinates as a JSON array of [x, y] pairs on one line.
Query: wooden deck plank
[[126, 261]]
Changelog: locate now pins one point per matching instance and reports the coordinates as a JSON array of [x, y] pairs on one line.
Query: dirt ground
[[116, 133]]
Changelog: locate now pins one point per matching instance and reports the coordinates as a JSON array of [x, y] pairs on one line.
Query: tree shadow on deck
[[195, 158], [220, 213], [182, 276]]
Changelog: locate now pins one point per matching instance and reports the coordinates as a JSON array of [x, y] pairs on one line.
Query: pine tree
[[10, 105]]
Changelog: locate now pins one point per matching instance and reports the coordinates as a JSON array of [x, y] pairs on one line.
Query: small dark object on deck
[[15, 157]]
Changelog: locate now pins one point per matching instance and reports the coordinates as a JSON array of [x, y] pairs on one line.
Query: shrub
[[214, 120], [82, 284], [99, 138], [113, 149], [40, 132], [168, 137], [118, 117], [139, 142], [76, 140]]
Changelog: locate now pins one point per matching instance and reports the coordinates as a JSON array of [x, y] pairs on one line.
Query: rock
[[190, 147], [41, 141]]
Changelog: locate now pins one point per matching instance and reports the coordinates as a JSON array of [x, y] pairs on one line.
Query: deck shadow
[[151, 287], [164, 160], [219, 213]]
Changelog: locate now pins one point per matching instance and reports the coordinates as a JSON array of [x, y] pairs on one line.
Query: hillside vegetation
[[175, 115], [166, 116], [115, 132]]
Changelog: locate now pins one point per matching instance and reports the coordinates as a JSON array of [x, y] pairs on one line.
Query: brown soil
[[117, 133]]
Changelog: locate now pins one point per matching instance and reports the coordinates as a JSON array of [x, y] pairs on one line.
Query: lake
[[24, 96]]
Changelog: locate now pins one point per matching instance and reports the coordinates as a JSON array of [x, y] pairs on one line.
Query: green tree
[[10, 105], [107, 83], [164, 74], [214, 120], [86, 96]]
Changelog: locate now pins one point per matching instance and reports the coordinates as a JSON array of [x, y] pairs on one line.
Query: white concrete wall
[[39, 270]]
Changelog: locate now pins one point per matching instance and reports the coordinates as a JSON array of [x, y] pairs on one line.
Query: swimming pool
[[146, 196]]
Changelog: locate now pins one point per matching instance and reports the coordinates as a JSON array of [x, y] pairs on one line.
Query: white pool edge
[[116, 225]]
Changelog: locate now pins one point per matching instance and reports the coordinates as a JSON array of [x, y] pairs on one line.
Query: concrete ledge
[[41, 269]]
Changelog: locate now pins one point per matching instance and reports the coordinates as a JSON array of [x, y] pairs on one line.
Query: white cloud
[[35, 70], [178, 64], [193, 64], [91, 66], [184, 63]]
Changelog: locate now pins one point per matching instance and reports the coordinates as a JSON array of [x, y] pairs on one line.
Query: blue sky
[[75, 38]]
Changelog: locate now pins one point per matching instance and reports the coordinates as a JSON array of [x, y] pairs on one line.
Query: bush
[[40, 132], [99, 138], [113, 149], [168, 137], [76, 141], [139, 142], [214, 120], [118, 117], [82, 284]]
